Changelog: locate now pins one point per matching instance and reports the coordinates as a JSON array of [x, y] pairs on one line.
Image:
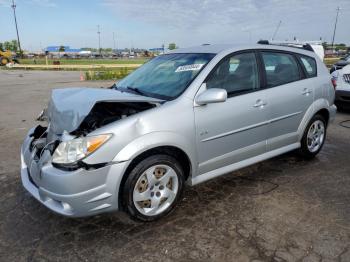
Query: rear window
[[280, 68], [309, 64]]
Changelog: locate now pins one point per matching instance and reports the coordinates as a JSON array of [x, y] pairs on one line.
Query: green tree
[[172, 46], [1, 46], [10, 45], [14, 46], [89, 49], [7, 45]]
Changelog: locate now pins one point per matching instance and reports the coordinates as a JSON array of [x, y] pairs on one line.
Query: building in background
[[159, 50], [62, 51]]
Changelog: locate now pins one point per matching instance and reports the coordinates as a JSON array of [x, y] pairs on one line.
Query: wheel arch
[[324, 113], [173, 151], [320, 106], [158, 143]]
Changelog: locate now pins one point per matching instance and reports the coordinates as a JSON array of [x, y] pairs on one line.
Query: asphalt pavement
[[283, 209]]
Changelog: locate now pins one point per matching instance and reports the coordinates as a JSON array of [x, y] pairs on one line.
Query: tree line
[[13, 46], [9, 45], [337, 47]]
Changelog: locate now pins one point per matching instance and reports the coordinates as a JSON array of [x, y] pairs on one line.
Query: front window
[[166, 76], [237, 74]]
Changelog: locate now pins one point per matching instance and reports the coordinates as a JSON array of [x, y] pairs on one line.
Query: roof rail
[[305, 46]]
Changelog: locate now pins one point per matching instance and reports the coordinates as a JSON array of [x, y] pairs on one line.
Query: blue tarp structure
[[67, 49]]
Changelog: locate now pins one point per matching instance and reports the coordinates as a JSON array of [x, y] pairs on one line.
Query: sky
[[151, 23]]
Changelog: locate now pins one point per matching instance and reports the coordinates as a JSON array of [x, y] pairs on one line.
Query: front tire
[[153, 187], [314, 137]]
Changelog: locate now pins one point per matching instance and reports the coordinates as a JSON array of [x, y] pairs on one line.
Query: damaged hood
[[69, 106]]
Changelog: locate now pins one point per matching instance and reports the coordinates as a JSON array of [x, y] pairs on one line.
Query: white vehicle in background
[[341, 79], [85, 53]]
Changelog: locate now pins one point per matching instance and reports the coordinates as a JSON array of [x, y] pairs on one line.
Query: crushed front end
[[53, 158], [79, 192]]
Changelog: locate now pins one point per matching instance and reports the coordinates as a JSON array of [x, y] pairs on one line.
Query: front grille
[[346, 78]]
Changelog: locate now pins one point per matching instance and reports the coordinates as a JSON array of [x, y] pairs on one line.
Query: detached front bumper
[[77, 193]]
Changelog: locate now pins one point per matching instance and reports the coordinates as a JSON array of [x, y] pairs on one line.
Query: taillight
[[334, 82]]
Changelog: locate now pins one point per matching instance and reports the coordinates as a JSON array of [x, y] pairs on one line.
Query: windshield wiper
[[136, 90], [114, 86]]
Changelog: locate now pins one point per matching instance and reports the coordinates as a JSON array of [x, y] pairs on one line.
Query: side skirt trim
[[250, 161], [251, 127]]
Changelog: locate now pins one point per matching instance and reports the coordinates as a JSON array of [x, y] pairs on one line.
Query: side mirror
[[212, 95]]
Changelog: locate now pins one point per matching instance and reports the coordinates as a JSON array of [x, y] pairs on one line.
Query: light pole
[[99, 39], [275, 33], [14, 14], [114, 45], [335, 27]]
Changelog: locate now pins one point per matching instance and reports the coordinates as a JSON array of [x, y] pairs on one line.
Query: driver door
[[234, 130]]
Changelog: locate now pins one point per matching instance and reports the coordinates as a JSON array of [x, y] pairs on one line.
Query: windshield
[[165, 76]]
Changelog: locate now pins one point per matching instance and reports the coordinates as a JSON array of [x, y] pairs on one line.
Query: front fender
[[158, 139]]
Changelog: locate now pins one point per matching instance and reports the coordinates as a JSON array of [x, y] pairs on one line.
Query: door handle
[[306, 92], [259, 104]]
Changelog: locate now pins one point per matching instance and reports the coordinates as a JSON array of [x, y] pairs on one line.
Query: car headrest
[[281, 68]]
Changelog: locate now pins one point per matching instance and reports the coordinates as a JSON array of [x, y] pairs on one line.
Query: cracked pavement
[[283, 209]]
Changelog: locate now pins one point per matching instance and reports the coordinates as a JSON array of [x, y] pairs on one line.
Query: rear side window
[[280, 68], [309, 64]]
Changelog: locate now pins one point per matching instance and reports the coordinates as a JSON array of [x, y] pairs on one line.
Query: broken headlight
[[73, 150]]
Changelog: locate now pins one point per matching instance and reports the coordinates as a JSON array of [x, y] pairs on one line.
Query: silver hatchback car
[[187, 116]]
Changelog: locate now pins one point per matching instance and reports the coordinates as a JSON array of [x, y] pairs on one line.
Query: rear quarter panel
[[323, 95]]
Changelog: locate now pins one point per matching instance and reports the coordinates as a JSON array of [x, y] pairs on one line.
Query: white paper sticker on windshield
[[193, 67]]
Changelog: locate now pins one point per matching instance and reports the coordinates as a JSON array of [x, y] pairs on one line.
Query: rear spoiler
[[294, 45]]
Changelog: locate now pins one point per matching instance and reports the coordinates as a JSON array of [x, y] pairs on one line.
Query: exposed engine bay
[[45, 141], [104, 113]]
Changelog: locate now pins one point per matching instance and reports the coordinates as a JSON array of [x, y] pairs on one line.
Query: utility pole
[[14, 14], [114, 46], [335, 27], [278, 27], [99, 39]]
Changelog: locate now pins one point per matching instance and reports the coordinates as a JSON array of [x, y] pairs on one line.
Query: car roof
[[218, 48]]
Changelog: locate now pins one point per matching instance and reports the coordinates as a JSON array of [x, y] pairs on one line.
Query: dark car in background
[[341, 63]]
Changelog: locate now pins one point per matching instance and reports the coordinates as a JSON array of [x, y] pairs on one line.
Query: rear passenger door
[[289, 95]]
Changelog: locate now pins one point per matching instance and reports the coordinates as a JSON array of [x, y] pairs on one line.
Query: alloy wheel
[[315, 136], [155, 190]]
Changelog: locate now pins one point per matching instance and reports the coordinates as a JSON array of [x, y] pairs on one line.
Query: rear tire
[[153, 188], [314, 137]]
